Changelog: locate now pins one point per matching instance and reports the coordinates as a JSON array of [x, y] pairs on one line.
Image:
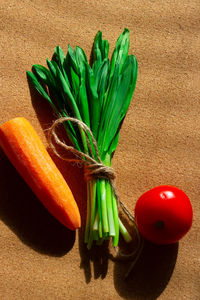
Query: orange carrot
[[27, 153]]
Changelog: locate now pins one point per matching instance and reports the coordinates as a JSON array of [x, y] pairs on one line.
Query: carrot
[[27, 153]]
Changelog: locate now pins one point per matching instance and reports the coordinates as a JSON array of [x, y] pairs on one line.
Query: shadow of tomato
[[150, 275]]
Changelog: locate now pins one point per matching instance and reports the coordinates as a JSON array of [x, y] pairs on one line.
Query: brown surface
[[159, 144]]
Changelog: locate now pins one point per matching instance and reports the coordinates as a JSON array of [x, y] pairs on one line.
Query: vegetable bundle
[[98, 95]]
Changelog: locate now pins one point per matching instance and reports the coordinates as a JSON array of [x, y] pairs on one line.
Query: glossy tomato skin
[[163, 214]]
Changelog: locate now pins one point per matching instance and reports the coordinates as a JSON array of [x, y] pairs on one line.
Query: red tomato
[[163, 214]]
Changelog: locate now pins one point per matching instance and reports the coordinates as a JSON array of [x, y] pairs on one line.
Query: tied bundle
[[97, 95]]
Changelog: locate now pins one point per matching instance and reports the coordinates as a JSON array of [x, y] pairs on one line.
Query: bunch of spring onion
[[98, 95]]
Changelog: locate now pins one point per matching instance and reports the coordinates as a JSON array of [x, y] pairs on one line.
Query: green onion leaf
[[99, 95]]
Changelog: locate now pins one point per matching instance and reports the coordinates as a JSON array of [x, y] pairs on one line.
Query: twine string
[[94, 169]]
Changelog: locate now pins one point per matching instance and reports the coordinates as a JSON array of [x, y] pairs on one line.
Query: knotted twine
[[94, 169]]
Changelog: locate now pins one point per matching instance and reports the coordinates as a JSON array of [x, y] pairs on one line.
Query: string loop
[[93, 168]]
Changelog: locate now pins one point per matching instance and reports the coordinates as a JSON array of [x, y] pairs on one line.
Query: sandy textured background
[[159, 144]]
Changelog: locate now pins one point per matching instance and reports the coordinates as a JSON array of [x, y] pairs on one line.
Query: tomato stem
[[160, 224]]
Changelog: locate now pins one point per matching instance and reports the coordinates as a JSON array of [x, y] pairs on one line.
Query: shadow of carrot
[[24, 214]]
